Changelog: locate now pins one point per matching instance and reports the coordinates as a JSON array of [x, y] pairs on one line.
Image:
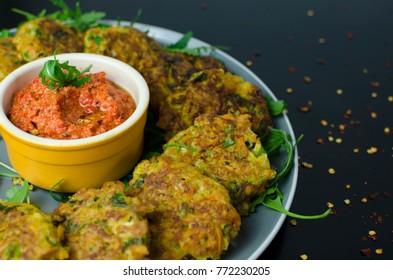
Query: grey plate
[[259, 228]]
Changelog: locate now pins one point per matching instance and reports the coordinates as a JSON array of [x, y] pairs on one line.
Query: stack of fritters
[[191, 192], [27, 233]]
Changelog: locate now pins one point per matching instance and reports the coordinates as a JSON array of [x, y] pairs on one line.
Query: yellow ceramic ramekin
[[79, 163]]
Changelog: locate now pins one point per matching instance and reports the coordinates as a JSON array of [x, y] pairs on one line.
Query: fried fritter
[[174, 70], [42, 36], [190, 215], [125, 43], [10, 58], [213, 92], [225, 149], [102, 224], [27, 233]]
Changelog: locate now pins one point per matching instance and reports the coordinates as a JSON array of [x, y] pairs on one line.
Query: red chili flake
[[291, 69], [321, 61], [380, 219], [364, 238], [365, 252], [372, 196], [204, 5], [375, 84], [348, 113], [320, 141], [374, 214], [385, 194], [350, 36], [290, 39]]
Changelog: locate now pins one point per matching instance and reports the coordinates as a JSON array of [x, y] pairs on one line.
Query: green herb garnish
[[276, 140], [276, 107], [73, 18], [181, 46], [273, 199], [59, 197], [5, 33], [56, 75]]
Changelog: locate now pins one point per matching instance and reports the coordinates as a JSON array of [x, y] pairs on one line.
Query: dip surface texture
[[71, 112]]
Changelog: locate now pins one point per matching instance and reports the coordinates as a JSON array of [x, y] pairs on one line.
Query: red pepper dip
[[71, 112]]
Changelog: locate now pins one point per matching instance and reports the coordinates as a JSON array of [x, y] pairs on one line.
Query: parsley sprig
[[20, 189], [181, 46], [56, 75], [73, 18]]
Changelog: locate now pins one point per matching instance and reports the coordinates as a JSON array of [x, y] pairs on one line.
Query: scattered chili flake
[[390, 98], [330, 205], [321, 61], [341, 127], [348, 113], [387, 130], [320, 141], [379, 251], [304, 257], [321, 41], [331, 171], [372, 195], [289, 90], [347, 186], [372, 150], [293, 222], [347, 201], [291, 69], [356, 150], [374, 115], [324, 123], [372, 235], [374, 84], [374, 94], [349, 36], [365, 71], [307, 165], [385, 194], [249, 63], [339, 140], [310, 13], [330, 138], [365, 252], [364, 200], [204, 5], [339, 91], [307, 79], [306, 108]]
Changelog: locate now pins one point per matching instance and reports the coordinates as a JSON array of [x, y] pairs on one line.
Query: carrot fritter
[[42, 36], [172, 70], [213, 92], [10, 58], [102, 224], [27, 233], [190, 215], [225, 149], [125, 43]]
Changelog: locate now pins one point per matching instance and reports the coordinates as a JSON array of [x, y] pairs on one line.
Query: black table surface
[[332, 62]]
